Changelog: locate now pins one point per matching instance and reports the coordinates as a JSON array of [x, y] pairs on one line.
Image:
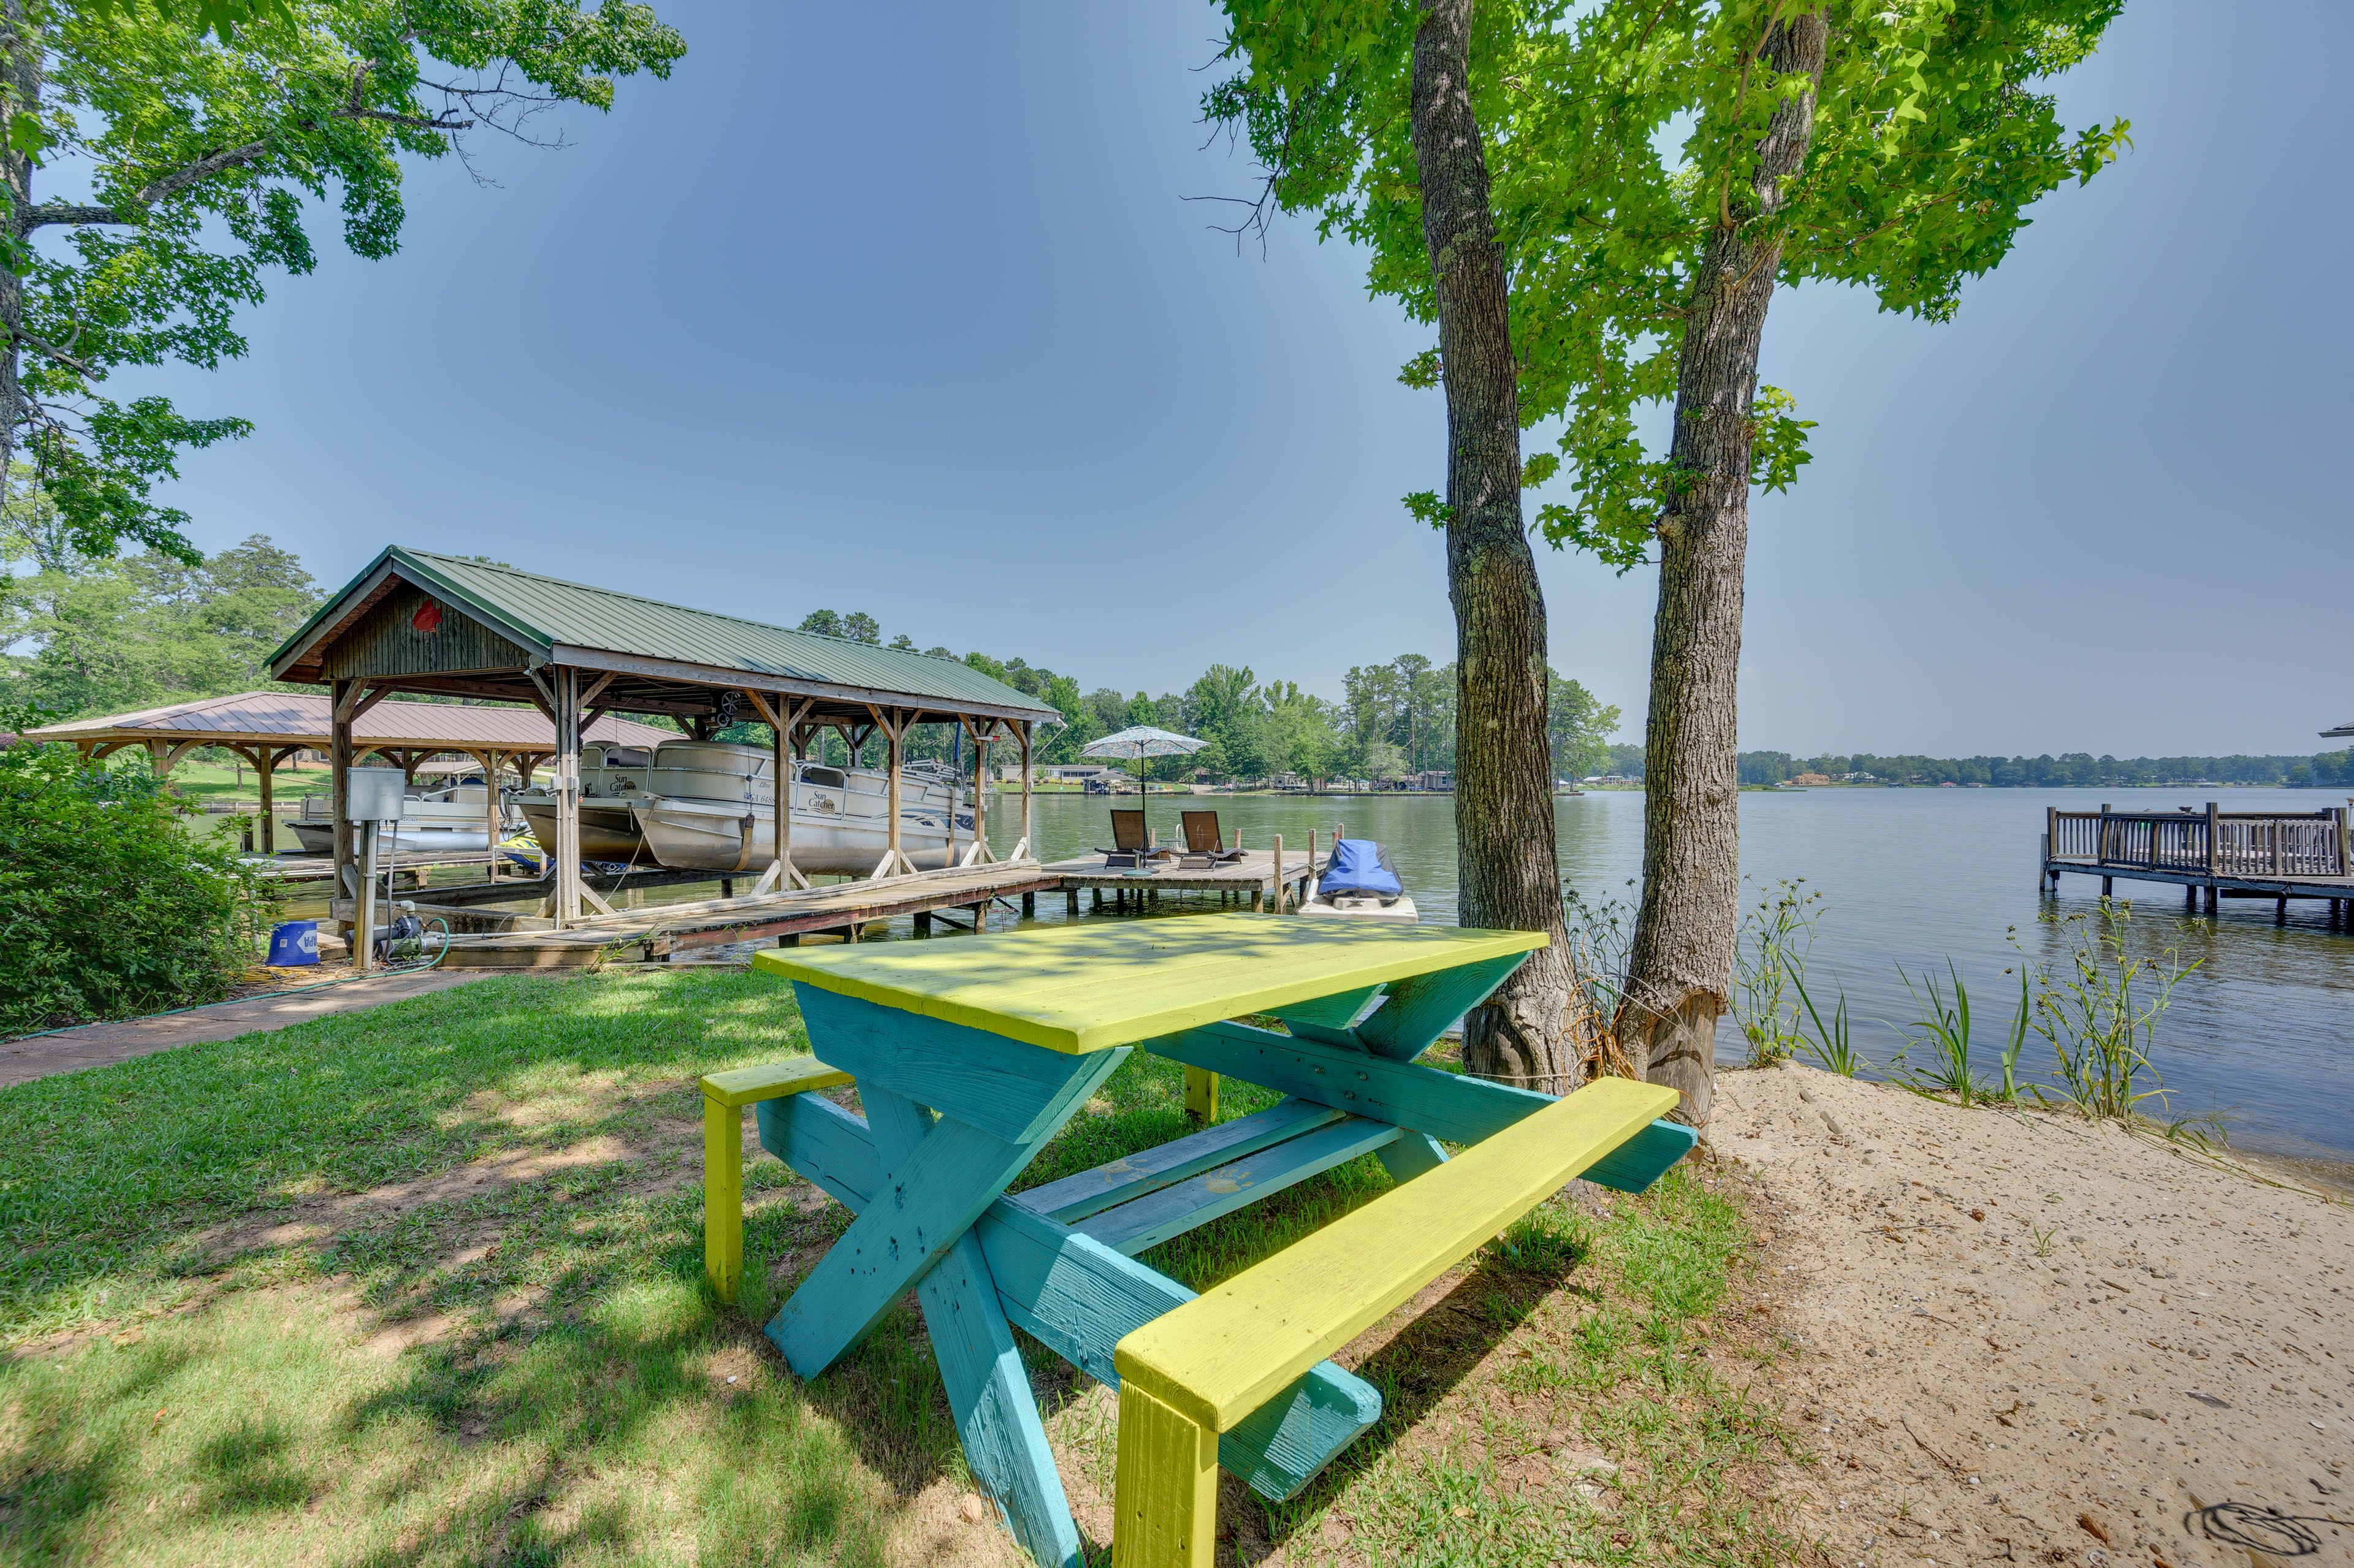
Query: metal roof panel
[[549, 614]]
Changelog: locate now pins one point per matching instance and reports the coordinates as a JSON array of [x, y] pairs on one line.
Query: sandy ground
[[98, 1045], [2031, 1339]]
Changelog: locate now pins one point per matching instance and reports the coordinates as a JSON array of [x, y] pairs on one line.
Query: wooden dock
[[1254, 879], [418, 868], [2221, 854], [500, 939], [635, 935]]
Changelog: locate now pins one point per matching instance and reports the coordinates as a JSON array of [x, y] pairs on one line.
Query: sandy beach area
[[2029, 1337]]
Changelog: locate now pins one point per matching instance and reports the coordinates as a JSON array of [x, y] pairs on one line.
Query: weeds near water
[[1831, 1045], [2099, 1007], [2011, 1046], [1770, 960], [2043, 1240], [1600, 936], [1942, 1025]]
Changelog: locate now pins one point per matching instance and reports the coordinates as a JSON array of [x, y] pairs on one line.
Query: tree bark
[[1503, 800], [20, 93], [1679, 969]]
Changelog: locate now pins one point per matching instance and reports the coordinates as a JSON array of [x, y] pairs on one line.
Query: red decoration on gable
[[428, 618]]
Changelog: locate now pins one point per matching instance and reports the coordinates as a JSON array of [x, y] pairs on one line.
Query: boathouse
[[267, 730], [414, 621]]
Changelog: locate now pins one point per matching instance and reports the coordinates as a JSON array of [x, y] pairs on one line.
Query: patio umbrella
[[1141, 741]]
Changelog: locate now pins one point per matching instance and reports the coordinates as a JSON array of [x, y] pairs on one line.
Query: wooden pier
[[484, 937], [842, 908], [1254, 879], [2223, 855]]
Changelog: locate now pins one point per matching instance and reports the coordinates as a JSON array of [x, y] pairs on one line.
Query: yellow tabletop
[[1093, 986]]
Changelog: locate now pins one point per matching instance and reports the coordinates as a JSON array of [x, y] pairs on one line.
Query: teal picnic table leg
[[988, 1386]]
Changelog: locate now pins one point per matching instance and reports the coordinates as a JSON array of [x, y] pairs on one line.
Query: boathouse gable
[[410, 631]]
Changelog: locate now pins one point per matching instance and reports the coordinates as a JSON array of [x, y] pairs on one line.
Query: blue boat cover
[[1360, 867]]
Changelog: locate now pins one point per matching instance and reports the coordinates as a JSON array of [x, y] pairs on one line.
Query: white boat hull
[[452, 824], [1350, 906], [319, 838], [724, 836], [609, 830], [693, 805]]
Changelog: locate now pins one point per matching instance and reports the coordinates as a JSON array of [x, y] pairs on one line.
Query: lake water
[[2262, 1031]]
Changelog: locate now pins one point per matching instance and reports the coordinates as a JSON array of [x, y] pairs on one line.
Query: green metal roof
[[542, 614]]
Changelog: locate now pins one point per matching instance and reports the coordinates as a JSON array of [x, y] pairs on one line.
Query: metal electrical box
[[373, 794]]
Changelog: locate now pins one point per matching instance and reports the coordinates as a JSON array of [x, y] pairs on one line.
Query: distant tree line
[[1393, 721], [2075, 768]]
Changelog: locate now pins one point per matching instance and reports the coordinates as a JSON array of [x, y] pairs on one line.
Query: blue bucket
[[293, 942]]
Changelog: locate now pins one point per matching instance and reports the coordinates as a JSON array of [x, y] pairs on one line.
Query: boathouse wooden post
[[489, 762], [981, 735], [2345, 843], [268, 837], [979, 854], [339, 766], [895, 757], [568, 797], [784, 721], [1022, 850], [895, 861]]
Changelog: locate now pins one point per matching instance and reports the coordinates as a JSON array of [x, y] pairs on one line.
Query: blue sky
[[907, 313]]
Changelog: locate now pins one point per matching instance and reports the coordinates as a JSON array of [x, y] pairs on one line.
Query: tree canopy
[[200, 144], [1620, 136]]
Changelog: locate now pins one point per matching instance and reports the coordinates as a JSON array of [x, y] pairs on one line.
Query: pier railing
[[2219, 843]]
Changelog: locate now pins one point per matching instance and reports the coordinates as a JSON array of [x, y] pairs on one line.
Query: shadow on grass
[[128, 1188], [1429, 1356]]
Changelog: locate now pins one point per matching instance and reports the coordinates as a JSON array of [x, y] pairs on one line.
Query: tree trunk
[[20, 93], [1680, 970], [1503, 800]]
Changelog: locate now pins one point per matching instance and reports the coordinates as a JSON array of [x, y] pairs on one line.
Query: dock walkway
[[842, 908], [2223, 855], [1256, 875], [662, 931]]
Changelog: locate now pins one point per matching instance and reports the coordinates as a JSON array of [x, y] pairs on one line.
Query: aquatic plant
[[1777, 934], [2099, 1007], [1831, 1046], [2017, 1040], [1941, 1024]]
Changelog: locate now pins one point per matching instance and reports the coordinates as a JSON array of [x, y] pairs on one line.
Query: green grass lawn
[[422, 1285]]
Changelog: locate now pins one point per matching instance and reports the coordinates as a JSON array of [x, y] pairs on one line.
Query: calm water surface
[[2260, 1032]]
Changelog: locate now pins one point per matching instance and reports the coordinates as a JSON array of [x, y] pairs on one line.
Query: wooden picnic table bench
[[969, 1057]]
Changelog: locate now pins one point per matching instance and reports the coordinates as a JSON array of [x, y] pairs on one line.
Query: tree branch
[[204, 168], [67, 212]]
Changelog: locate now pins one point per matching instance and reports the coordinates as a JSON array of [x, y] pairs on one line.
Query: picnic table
[[969, 1057]]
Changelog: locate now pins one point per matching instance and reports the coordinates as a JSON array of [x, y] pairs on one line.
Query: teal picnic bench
[[970, 1055]]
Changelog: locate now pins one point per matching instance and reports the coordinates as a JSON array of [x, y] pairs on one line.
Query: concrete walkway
[[98, 1045]]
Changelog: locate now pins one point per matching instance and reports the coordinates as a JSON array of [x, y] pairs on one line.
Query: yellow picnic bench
[[969, 1057]]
